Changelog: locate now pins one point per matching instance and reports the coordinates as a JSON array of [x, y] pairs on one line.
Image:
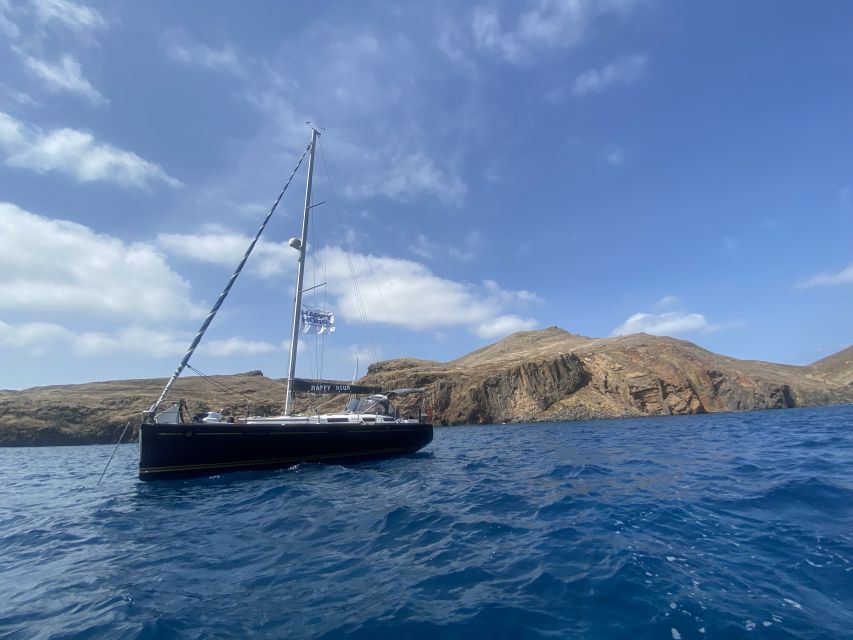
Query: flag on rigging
[[317, 320]]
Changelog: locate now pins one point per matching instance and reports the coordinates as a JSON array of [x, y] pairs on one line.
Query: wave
[[696, 527]]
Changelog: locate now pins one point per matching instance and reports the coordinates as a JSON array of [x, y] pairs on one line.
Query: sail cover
[[317, 320]]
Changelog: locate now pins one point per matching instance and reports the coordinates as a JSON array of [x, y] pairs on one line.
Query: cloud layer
[[417, 299], [828, 279], [60, 271], [624, 70], [64, 75], [77, 154], [544, 26], [58, 267], [396, 291], [77, 17], [669, 323], [669, 320], [41, 338], [366, 83], [222, 246]]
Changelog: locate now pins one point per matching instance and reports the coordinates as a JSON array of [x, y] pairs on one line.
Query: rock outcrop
[[535, 375], [522, 390], [555, 375]]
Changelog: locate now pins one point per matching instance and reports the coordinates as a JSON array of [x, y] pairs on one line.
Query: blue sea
[[716, 526]]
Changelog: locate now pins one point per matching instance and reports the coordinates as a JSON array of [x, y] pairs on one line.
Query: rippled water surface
[[721, 526]]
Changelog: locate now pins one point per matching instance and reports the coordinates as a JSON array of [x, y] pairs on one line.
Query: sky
[[608, 167]]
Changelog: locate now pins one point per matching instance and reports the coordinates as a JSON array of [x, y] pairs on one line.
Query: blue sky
[[608, 167]]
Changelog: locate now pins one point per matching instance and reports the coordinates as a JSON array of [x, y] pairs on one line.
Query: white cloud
[[394, 291], [129, 340], [77, 154], [236, 346], [488, 34], [558, 24], [451, 41], [8, 26], [182, 48], [547, 25], [503, 326], [509, 298], [77, 17], [59, 267], [39, 338], [379, 143], [387, 136], [843, 277], [66, 75], [668, 323], [407, 176], [12, 133], [417, 299], [219, 245], [413, 296], [624, 70], [18, 97]]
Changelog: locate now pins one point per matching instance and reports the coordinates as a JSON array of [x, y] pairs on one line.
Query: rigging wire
[[378, 290], [213, 311], [112, 455], [220, 384], [359, 298]]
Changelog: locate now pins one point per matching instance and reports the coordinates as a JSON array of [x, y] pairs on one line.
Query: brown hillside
[[533, 375], [837, 368]]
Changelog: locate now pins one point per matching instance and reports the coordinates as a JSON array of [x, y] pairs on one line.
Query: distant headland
[[529, 376]]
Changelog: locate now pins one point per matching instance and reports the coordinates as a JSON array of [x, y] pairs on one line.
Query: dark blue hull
[[168, 451]]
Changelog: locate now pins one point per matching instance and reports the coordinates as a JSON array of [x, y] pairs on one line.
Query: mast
[[153, 410], [300, 272]]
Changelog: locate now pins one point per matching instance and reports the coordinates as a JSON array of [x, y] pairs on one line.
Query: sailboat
[[174, 445]]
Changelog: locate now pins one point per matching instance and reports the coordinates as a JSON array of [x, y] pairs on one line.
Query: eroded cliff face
[[552, 374], [486, 394], [535, 375], [647, 387]]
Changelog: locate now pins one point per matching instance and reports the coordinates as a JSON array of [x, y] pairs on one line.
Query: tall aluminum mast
[[153, 410], [300, 272]]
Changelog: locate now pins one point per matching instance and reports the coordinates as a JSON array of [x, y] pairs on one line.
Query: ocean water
[[718, 526]]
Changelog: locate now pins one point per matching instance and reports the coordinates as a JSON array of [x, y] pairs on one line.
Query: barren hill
[[837, 368], [535, 375], [553, 374]]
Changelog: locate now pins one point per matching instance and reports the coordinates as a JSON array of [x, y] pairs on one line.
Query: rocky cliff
[[553, 374], [535, 375]]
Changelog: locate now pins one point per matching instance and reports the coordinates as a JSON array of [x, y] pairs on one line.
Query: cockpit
[[375, 404]]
